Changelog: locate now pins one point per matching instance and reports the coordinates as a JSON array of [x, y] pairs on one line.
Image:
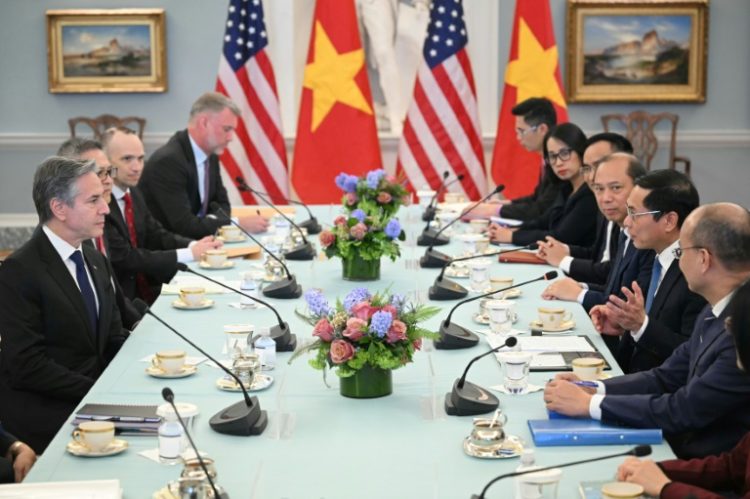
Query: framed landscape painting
[[637, 50], [112, 50]]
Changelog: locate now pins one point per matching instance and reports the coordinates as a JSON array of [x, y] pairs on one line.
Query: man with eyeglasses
[[652, 324], [590, 263], [534, 118], [698, 396]]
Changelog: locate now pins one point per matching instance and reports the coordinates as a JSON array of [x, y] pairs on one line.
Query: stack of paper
[[90, 489]]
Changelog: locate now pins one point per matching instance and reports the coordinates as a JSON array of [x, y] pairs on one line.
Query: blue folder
[[570, 431]]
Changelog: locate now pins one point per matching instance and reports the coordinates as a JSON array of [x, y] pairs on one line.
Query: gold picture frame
[[637, 50], [106, 50]]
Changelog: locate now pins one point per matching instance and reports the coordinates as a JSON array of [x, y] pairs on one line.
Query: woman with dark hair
[[713, 476], [572, 217]]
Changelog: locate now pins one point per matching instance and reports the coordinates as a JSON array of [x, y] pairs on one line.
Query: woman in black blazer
[[572, 217]]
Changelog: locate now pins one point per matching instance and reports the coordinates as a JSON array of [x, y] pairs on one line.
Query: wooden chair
[[639, 126], [101, 123]]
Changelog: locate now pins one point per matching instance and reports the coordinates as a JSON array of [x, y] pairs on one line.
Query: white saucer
[[186, 371], [510, 294], [484, 319], [179, 304], [226, 265], [115, 447], [511, 447], [261, 382], [456, 273], [237, 239], [564, 327]]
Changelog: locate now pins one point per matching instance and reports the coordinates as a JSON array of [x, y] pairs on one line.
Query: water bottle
[[527, 461], [265, 347], [170, 439]]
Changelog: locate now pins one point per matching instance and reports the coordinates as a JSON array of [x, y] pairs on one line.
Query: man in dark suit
[[698, 396], [181, 180], [652, 325], [59, 320], [591, 263], [143, 253]]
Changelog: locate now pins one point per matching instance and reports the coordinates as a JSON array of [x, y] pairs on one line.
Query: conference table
[[319, 444]]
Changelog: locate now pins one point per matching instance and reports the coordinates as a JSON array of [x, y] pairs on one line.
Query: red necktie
[[144, 290], [99, 242]]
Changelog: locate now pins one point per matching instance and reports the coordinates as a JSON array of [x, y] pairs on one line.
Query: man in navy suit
[[651, 325], [698, 396]]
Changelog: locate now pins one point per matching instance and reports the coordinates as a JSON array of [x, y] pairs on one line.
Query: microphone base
[[312, 226], [434, 260], [240, 419], [429, 214], [285, 340], [455, 337], [304, 252], [286, 289], [445, 289], [469, 400], [429, 237]]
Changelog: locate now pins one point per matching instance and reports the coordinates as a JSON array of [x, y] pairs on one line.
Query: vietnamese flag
[[336, 129], [532, 71]]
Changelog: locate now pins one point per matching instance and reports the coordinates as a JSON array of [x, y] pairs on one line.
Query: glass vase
[[355, 268], [368, 382]]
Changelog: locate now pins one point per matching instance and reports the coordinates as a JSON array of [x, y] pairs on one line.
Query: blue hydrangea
[[393, 228], [355, 296], [346, 182], [317, 303], [373, 178], [359, 215], [380, 323], [398, 301]]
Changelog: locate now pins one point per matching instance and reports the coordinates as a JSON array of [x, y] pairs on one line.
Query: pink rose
[[417, 344], [327, 238], [355, 328], [363, 310], [384, 197], [339, 220], [397, 332], [358, 231], [390, 179], [350, 198], [323, 330], [341, 351], [391, 310]]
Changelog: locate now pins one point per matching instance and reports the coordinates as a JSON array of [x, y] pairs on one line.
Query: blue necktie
[[655, 276], [86, 291]]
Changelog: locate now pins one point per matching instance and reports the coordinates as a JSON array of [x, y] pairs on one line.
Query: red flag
[[533, 71], [258, 154], [441, 133], [336, 130]]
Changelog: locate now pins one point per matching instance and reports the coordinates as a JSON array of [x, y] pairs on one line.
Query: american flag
[[441, 132], [246, 76]]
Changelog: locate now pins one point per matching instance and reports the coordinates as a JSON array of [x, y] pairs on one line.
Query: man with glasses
[[590, 263], [534, 118], [651, 325], [698, 396]]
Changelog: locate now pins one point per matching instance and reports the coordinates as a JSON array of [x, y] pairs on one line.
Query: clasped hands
[[561, 395]]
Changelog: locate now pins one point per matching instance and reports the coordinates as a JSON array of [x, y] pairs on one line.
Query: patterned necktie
[[86, 290], [204, 204], [655, 277], [144, 290]]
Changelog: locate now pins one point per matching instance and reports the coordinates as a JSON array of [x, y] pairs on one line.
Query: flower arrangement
[[380, 330], [376, 193]]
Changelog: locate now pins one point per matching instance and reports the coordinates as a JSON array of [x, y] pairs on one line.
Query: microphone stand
[[280, 333], [285, 289], [453, 336], [311, 224], [468, 399], [445, 289], [429, 212]]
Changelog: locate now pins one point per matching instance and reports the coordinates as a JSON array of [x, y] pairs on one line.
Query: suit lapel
[[117, 218], [670, 279], [184, 141], [708, 332], [101, 284]]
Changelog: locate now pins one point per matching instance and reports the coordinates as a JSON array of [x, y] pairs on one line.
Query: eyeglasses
[[587, 169], [103, 173], [635, 214], [563, 155], [678, 252], [523, 131]]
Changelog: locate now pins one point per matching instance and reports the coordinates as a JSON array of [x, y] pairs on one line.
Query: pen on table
[[588, 384]]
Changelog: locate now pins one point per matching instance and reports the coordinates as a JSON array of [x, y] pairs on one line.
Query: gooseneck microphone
[[429, 212], [639, 451], [286, 288], [453, 336], [281, 334], [311, 224], [468, 399], [242, 418], [445, 289], [303, 252], [436, 259], [168, 395]]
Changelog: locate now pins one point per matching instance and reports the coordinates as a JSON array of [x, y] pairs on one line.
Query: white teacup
[[229, 232], [236, 338], [483, 244], [469, 242], [501, 314], [477, 226], [588, 368], [516, 370], [479, 274], [193, 296], [169, 361], [497, 283], [215, 257], [445, 217], [553, 318], [425, 196], [95, 435]]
